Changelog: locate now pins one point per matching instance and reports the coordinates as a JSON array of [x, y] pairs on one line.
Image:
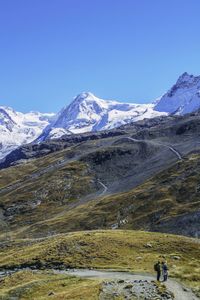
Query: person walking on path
[[165, 271], [157, 268]]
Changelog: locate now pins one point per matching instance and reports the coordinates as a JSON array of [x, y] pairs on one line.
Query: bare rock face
[[185, 224]]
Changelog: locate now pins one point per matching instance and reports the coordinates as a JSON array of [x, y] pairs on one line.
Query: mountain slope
[[183, 97], [86, 181], [88, 113], [17, 128], [163, 203]]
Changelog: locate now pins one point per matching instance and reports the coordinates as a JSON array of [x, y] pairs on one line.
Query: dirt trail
[[105, 188], [128, 284], [179, 291], [159, 144]]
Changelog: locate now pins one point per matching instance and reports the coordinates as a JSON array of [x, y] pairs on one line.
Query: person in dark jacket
[[164, 271], [157, 268]]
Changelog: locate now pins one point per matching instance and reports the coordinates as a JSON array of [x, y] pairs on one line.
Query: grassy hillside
[[27, 285], [146, 187], [122, 250], [40, 188], [168, 202]]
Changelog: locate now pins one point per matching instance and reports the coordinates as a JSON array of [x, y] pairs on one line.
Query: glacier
[[87, 113], [18, 128]]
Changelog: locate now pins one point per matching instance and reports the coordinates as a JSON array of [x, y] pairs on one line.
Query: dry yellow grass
[[121, 250], [162, 198], [28, 285]]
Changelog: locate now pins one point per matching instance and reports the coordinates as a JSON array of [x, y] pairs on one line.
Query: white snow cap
[[17, 128], [88, 113], [183, 97]]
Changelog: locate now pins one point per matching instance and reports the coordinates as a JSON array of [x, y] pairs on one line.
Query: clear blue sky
[[128, 50]]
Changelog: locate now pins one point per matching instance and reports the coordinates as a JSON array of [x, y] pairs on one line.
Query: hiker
[[164, 271], [157, 268]]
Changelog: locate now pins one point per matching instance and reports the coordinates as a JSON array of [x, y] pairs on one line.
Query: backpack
[[156, 267]]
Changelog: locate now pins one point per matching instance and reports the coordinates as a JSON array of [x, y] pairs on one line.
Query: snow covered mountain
[[17, 128], [88, 113], [183, 97]]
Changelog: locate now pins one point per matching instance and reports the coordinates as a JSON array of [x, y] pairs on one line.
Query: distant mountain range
[[88, 113], [17, 128]]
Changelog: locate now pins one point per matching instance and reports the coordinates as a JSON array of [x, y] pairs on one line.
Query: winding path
[[179, 291], [63, 162], [157, 143], [104, 186]]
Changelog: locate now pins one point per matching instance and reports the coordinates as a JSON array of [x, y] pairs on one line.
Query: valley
[[115, 200], [99, 150]]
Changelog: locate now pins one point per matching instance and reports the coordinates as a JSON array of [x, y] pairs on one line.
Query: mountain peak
[[84, 96], [183, 97], [185, 77]]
